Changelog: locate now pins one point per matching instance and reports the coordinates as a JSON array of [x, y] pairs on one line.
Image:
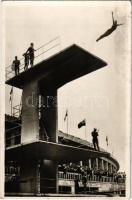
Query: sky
[[101, 97]]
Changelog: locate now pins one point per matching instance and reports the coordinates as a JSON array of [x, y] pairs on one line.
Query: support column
[[107, 165], [28, 180], [48, 177], [89, 163], [49, 115], [115, 170], [37, 178], [49, 168], [97, 164], [30, 114], [103, 167], [111, 168]]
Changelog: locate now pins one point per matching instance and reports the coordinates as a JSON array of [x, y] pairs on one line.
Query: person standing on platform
[[16, 65], [31, 54], [95, 139], [26, 60]]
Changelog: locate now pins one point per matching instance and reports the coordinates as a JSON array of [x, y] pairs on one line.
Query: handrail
[[39, 47], [10, 73], [16, 127], [47, 50], [13, 136], [48, 42]]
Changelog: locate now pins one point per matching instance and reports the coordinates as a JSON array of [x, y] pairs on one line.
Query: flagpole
[[11, 106], [85, 130], [67, 121], [12, 102]]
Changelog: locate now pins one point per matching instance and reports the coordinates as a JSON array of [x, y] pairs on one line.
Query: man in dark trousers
[[30, 51], [95, 139], [26, 60], [16, 65]]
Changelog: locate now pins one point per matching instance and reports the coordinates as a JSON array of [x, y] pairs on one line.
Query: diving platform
[[51, 151], [65, 66]]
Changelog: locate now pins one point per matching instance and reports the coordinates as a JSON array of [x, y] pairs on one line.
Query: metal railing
[[14, 136], [46, 48], [13, 140], [93, 178]]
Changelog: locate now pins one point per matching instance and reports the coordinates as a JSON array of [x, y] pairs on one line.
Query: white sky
[[101, 97]]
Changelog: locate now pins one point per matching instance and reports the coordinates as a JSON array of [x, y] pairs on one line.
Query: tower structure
[[38, 152]]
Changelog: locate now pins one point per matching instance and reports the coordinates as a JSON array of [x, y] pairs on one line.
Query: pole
[[38, 178], [67, 121], [12, 102], [11, 106], [85, 130], [60, 42]]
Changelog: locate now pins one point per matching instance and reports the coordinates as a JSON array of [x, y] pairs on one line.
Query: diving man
[[109, 31]]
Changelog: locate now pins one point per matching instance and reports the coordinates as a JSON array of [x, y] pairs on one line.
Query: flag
[[82, 123], [107, 140], [11, 93], [66, 115]]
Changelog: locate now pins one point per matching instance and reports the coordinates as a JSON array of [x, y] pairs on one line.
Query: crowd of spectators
[[85, 171]]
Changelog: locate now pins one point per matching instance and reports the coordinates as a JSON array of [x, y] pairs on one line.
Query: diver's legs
[[108, 32]]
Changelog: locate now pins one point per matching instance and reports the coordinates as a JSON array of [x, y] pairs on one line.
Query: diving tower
[[38, 155]]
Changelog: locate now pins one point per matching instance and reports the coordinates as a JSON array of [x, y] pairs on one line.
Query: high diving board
[[51, 151], [65, 66]]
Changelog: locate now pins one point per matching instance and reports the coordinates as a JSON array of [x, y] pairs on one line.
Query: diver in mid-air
[[109, 31]]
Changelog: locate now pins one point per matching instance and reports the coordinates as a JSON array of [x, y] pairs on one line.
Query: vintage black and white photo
[[67, 98]]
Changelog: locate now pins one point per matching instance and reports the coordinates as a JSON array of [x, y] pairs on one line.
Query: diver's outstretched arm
[[113, 18], [119, 24]]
